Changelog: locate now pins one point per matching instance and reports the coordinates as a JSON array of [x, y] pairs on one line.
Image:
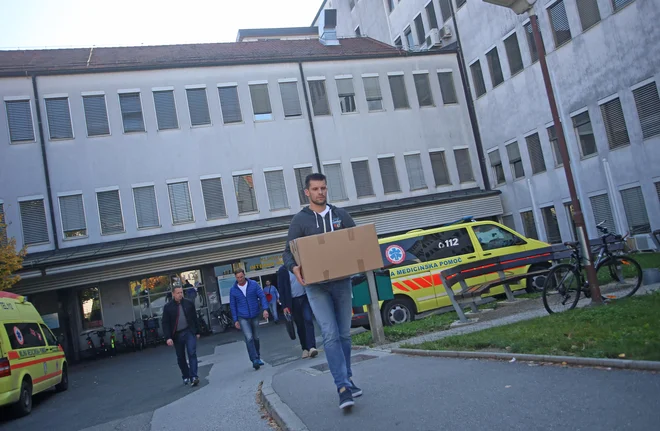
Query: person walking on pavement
[[273, 299], [295, 302], [182, 329], [331, 301], [247, 301]]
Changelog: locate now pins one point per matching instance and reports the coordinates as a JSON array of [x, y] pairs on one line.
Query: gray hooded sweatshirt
[[308, 222]]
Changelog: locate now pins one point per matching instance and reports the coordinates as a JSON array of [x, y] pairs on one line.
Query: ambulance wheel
[[24, 405], [535, 284], [63, 385], [399, 310]]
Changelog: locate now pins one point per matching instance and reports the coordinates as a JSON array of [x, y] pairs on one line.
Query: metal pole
[[596, 298], [375, 320]]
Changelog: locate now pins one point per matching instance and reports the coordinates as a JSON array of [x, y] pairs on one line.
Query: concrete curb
[[278, 410], [571, 360]]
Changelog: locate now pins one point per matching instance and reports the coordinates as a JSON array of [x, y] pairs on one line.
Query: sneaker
[[345, 398], [313, 352], [355, 391], [256, 365], [195, 382], [186, 381], [305, 354], [260, 362]]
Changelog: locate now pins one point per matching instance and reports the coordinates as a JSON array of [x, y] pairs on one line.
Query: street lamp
[[527, 6]]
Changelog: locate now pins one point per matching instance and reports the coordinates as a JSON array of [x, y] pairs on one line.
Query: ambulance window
[[446, 244], [492, 237], [52, 341], [24, 335]]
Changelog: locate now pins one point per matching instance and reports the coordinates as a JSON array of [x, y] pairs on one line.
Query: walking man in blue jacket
[[247, 302]]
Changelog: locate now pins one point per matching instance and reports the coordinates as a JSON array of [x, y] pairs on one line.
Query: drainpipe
[[44, 159], [470, 103], [616, 208], [309, 116], [540, 229]]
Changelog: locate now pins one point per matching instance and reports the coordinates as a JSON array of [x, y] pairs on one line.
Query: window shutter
[[362, 178], [423, 88], [230, 105], [146, 209], [657, 189], [513, 54], [415, 171], [214, 198], [535, 153], [463, 165], [439, 166], [260, 99], [180, 202], [290, 99], [551, 225], [96, 115], [301, 175], [447, 87], [131, 112], [59, 118], [495, 67], [445, 10], [336, 187], [276, 190], [165, 110], [559, 22], [3, 229], [419, 28], [528, 224], [582, 125], [198, 106], [245, 194], [389, 175], [478, 79], [508, 221], [19, 117], [345, 87], [513, 152], [373, 93], [319, 98], [399, 94], [460, 3], [619, 4], [430, 13], [554, 143], [533, 52], [495, 158], [648, 109], [600, 206], [33, 221], [73, 216], [633, 204], [110, 212], [615, 124], [589, 13]]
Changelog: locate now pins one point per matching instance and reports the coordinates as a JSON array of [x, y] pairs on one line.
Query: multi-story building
[[604, 63], [124, 169]]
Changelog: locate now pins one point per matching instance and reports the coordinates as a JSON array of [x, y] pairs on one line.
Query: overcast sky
[[83, 23]]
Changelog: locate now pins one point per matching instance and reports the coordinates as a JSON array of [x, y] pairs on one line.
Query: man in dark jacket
[[181, 329], [247, 301], [294, 301]]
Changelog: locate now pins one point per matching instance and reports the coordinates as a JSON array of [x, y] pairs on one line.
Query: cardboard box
[[337, 254]]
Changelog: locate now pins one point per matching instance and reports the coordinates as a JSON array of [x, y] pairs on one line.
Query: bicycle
[[619, 276], [224, 318]]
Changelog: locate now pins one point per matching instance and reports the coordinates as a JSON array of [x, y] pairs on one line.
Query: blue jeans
[[302, 315], [186, 341], [273, 310], [331, 303], [250, 328]]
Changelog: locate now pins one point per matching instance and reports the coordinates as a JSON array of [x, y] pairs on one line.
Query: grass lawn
[[628, 329], [437, 322]]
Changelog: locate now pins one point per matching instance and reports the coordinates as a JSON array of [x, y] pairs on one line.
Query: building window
[[399, 94], [165, 110], [478, 79], [389, 175], [648, 109], [335, 179], [445, 10], [535, 153], [600, 206], [559, 23], [585, 134], [515, 160], [570, 214], [261, 102], [358, 33], [620, 4], [390, 5], [301, 175], [508, 221], [657, 191], [19, 120], [276, 190], [131, 112], [73, 216], [551, 224], [290, 99], [495, 67], [415, 171], [319, 97], [430, 13], [533, 52], [198, 106], [447, 88], [513, 54], [529, 226], [362, 178], [407, 33], [59, 118], [110, 214], [351, 4], [33, 222], [589, 13], [398, 43], [460, 3], [230, 105], [96, 115], [419, 28], [245, 195], [180, 205], [90, 304], [346, 94], [633, 204], [439, 167], [146, 207], [423, 88], [615, 124], [496, 164], [464, 166], [214, 198], [3, 226], [373, 93], [554, 143]]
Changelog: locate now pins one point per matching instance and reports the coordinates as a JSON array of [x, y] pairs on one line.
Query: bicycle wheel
[[562, 287], [619, 277]]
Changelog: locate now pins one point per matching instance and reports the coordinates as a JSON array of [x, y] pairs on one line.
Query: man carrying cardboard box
[[331, 301]]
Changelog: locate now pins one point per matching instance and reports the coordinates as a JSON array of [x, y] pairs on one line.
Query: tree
[[10, 259]]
